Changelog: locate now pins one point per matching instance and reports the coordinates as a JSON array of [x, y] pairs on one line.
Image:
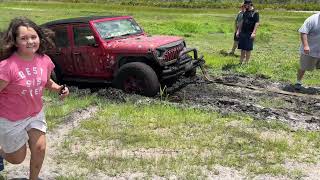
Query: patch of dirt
[[247, 94], [52, 169]]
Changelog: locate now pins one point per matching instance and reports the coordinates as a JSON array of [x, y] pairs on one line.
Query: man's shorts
[[13, 135], [245, 42], [309, 63]]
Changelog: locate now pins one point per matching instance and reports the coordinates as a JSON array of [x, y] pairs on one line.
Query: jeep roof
[[84, 19]]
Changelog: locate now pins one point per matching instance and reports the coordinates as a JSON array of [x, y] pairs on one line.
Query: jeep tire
[[137, 77]]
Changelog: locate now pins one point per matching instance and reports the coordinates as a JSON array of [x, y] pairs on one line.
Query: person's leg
[[235, 45], [300, 75], [13, 140], [37, 144], [248, 54], [242, 56], [16, 157], [307, 63]]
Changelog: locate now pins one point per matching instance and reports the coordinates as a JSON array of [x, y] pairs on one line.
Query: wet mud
[[256, 96]]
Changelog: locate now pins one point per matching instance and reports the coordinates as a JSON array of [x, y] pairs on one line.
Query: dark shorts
[[245, 42], [235, 38]]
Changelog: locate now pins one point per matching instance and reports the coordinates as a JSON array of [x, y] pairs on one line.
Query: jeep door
[[86, 53], [61, 54]]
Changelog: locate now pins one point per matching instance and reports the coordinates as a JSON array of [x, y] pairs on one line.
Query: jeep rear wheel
[[137, 77]]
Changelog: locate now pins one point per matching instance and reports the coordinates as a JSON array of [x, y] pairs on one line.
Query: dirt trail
[[52, 169]]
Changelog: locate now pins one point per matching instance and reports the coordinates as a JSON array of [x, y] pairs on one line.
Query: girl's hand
[[64, 91]]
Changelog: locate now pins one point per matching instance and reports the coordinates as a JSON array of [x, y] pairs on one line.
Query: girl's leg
[[37, 144], [16, 157]]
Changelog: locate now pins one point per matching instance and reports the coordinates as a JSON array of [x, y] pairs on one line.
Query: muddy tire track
[[250, 95]]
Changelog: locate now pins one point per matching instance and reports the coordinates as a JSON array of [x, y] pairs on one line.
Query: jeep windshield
[[117, 28]]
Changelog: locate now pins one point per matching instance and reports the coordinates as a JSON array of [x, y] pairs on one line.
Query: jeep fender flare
[[148, 60]]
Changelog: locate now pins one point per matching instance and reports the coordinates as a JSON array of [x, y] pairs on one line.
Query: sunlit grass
[[275, 52], [56, 109], [158, 139], [183, 142]]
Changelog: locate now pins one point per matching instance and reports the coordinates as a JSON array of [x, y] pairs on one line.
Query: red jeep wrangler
[[115, 49]]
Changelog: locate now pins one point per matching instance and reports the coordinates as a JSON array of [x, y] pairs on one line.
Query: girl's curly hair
[[8, 37]]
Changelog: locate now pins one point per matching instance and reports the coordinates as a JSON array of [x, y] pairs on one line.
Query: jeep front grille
[[173, 53]]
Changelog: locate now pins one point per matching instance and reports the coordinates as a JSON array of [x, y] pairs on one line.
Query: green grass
[[209, 30], [57, 110], [221, 4], [165, 140], [158, 139]]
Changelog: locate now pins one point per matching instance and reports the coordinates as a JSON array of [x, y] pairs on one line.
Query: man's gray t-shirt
[[311, 27], [239, 18]]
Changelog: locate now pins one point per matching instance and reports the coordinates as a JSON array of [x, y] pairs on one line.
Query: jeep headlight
[[159, 52]]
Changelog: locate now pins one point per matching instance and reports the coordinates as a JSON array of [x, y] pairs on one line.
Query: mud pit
[[256, 96]]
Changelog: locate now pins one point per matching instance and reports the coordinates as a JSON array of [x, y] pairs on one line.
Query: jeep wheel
[[137, 77], [191, 73]]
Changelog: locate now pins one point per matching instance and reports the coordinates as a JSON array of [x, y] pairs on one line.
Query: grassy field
[[306, 5], [209, 30], [182, 141]]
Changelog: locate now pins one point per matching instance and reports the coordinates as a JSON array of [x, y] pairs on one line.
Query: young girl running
[[24, 73]]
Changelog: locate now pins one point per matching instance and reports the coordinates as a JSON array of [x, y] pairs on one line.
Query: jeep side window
[[83, 36], [61, 37]]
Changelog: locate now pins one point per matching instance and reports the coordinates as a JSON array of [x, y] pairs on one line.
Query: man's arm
[[253, 35], [304, 40], [239, 29]]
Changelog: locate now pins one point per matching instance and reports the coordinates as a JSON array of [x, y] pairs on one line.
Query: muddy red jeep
[[116, 50]]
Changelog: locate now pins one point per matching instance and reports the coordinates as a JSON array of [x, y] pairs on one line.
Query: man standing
[[237, 22], [247, 31], [310, 47]]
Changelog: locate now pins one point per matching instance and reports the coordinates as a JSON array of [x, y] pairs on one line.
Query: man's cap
[[247, 2]]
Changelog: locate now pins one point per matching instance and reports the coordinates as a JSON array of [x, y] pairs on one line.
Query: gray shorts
[[13, 135], [309, 63]]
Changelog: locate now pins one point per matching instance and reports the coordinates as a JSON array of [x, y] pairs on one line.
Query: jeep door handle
[[76, 53]]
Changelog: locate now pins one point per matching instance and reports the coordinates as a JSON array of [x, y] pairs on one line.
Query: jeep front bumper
[[183, 64]]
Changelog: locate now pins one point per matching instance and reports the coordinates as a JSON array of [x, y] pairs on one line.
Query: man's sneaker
[[298, 86], [1, 164]]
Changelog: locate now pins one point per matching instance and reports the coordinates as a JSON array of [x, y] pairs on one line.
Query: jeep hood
[[140, 44]]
